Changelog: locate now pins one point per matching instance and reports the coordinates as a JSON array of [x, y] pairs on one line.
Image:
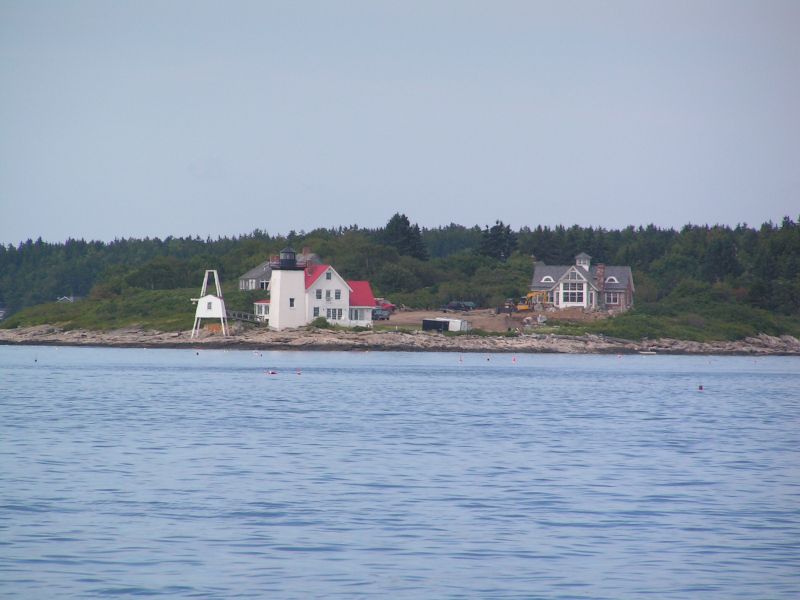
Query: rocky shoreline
[[417, 341]]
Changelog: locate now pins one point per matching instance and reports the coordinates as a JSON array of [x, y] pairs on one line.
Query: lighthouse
[[287, 286]]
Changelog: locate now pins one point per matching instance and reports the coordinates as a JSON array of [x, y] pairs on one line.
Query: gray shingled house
[[257, 278], [591, 287]]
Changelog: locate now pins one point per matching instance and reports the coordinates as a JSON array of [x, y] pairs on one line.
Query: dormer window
[[612, 279], [547, 279]]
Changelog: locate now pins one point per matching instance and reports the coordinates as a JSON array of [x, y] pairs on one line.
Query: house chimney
[[600, 278]]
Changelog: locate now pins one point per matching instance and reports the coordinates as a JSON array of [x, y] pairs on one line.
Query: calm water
[[394, 475]]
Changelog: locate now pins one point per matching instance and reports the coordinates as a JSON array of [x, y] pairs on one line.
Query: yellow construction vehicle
[[527, 302]]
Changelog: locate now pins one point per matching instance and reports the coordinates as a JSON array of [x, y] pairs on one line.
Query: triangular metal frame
[[224, 318]]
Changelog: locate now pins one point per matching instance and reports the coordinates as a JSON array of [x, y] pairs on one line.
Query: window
[[316, 311], [547, 279], [263, 284], [328, 295], [612, 279], [612, 297], [291, 302], [319, 294], [550, 298], [338, 294], [573, 276], [208, 306], [339, 312], [334, 314], [328, 275], [572, 292], [354, 314]]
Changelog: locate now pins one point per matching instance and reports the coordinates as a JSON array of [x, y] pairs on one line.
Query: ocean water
[[196, 474]]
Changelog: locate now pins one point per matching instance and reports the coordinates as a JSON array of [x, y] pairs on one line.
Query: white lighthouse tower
[[287, 285], [210, 306]]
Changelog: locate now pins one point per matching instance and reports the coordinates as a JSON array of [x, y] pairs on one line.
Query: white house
[[301, 291]]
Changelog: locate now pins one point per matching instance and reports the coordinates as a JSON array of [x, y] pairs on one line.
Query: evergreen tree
[[405, 238], [499, 241]]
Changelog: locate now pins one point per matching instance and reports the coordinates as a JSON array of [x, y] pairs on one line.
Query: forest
[[693, 268]]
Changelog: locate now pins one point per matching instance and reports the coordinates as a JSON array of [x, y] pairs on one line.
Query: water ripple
[[175, 474]]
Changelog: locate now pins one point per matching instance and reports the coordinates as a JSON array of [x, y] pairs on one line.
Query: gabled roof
[[361, 294], [557, 272], [623, 276], [541, 271], [315, 272], [261, 271]]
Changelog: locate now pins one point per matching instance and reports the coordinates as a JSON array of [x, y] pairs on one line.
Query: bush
[[320, 323]]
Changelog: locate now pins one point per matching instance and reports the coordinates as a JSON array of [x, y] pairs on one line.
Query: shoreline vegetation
[[709, 286], [398, 341]]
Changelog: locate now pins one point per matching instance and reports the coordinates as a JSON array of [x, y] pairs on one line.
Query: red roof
[[262, 301], [313, 273], [361, 294]]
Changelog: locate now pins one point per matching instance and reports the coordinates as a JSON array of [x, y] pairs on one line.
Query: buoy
[[700, 388], [271, 372]]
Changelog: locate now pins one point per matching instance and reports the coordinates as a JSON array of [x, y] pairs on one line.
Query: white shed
[[210, 306]]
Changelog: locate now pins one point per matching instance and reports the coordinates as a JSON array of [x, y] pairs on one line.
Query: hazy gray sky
[[144, 118]]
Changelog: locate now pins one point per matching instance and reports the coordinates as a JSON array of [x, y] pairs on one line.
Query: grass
[[686, 318], [701, 323], [482, 333], [165, 310], [394, 328]]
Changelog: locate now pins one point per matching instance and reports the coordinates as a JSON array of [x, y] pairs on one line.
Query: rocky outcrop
[[416, 341]]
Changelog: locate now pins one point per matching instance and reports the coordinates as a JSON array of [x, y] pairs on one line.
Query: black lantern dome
[[287, 261]]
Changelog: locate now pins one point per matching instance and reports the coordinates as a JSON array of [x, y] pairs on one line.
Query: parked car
[[379, 314], [458, 305], [387, 306]]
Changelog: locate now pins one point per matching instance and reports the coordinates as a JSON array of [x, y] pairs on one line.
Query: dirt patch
[[485, 319]]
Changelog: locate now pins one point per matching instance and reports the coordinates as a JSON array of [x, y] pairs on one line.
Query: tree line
[[425, 267]]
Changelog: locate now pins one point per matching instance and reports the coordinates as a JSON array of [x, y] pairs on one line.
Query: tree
[[720, 259], [499, 241], [405, 238]]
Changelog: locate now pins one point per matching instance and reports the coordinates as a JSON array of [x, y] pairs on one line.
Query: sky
[[156, 118]]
